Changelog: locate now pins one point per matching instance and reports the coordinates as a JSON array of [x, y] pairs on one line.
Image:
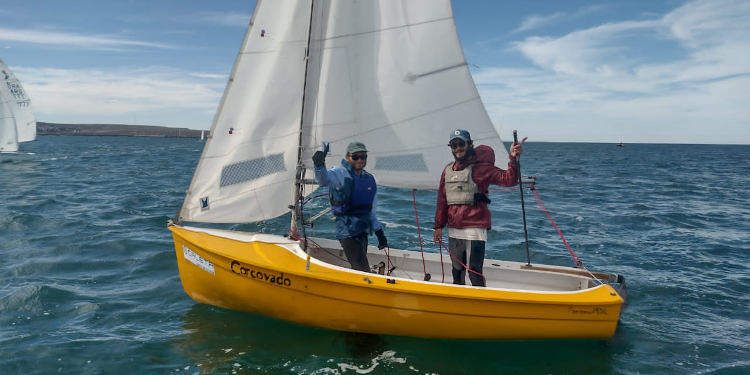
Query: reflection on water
[[360, 345], [219, 340]]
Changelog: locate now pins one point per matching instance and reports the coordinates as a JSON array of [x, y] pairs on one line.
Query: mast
[[299, 183]]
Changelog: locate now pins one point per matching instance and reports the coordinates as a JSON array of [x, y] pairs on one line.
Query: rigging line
[[299, 184], [577, 260], [539, 203], [318, 247], [311, 197], [388, 257], [316, 44], [508, 189], [419, 233]]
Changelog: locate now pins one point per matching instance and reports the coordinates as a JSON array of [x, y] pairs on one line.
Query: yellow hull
[[272, 279]]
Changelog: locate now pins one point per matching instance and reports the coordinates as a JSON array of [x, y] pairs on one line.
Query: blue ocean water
[[90, 282]]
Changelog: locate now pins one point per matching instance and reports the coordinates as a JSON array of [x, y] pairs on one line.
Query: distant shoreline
[[49, 128]]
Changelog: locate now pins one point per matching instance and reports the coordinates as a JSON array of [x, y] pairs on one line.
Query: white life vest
[[459, 185]]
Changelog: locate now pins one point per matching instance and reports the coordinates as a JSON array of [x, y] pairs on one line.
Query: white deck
[[499, 274]]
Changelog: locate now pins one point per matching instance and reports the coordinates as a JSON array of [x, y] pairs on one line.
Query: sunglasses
[[359, 156], [457, 143]]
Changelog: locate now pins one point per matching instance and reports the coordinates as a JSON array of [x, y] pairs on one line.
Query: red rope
[[539, 203], [419, 232], [442, 267], [453, 256]]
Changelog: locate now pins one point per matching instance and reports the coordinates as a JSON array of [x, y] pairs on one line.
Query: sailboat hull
[[268, 275]]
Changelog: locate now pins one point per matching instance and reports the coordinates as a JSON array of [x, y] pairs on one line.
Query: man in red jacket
[[462, 202]]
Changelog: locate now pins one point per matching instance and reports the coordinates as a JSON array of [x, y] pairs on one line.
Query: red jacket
[[484, 173]]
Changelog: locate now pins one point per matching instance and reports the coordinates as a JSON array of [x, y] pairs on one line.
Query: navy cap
[[460, 133]]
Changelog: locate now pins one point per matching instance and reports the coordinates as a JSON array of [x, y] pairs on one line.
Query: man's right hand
[[319, 158], [438, 235], [516, 149]]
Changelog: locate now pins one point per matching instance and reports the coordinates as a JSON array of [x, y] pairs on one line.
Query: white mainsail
[[8, 138], [18, 103], [388, 73], [393, 76]]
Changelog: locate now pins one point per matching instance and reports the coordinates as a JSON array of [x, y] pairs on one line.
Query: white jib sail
[[248, 165], [388, 73], [21, 104]]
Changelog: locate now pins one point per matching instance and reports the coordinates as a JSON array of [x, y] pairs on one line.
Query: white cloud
[[705, 23], [231, 19], [584, 51], [534, 22], [110, 94], [600, 80], [210, 76], [71, 39]]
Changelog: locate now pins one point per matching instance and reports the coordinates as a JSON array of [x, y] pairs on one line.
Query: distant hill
[[49, 128]]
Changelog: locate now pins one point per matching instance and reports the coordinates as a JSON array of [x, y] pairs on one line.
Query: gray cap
[[355, 147], [460, 133]]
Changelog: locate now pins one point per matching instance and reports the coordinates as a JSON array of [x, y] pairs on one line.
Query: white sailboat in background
[[391, 74], [17, 121]]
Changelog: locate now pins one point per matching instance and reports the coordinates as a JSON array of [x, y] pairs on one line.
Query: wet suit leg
[[459, 249], [476, 261], [355, 249]]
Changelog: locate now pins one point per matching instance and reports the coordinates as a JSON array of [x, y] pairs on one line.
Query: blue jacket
[[347, 225]]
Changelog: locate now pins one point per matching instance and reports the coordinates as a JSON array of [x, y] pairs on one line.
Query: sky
[[652, 71]]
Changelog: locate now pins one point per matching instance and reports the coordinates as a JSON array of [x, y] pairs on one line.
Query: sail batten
[[333, 37]]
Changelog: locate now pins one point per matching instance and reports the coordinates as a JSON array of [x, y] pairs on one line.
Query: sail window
[[249, 170], [408, 163]]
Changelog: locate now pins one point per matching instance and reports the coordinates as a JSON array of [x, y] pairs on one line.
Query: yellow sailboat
[[391, 74]]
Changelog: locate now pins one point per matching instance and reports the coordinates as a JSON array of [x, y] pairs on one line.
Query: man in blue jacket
[[352, 194]]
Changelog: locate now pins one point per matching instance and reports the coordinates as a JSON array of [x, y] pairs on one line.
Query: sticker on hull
[[198, 260]]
